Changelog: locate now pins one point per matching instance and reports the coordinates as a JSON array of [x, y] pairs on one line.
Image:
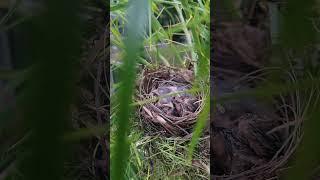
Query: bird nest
[[249, 150], [250, 141], [173, 110]]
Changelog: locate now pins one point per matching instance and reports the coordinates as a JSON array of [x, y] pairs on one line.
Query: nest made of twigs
[[251, 140], [248, 151], [171, 115]]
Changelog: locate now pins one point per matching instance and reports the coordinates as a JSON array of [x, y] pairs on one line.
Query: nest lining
[[169, 115]]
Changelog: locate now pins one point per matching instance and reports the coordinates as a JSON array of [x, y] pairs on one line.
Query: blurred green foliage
[[136, 25], [54, 48]]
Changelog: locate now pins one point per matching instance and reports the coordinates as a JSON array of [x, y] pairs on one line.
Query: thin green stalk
[[149, 23], [188, 35]]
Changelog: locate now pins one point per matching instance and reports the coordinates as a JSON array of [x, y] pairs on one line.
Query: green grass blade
[[201, 123], [137, 19]]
